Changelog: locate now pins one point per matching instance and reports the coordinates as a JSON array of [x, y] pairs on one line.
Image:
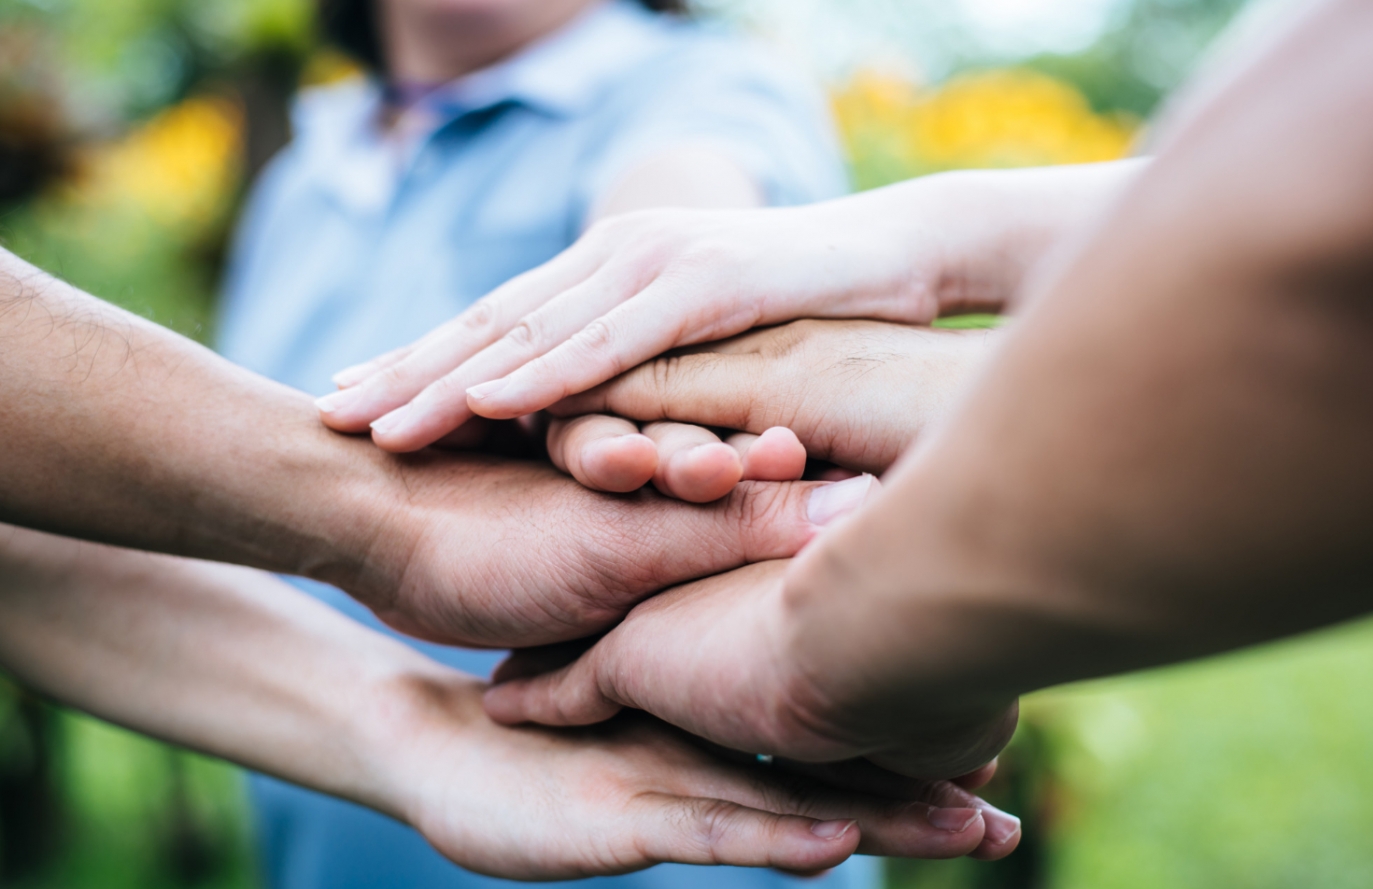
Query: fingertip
[[819, 845], [395, 432], [704, 473], [504, 703], [620, 465], [507, 398], [775, 456], [1001, 836]]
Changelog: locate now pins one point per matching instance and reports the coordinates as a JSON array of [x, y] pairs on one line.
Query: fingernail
[[837, 500], [336, 401], [1001, 826], [392, 421], [952, 820], [832, 830], [486, 390]]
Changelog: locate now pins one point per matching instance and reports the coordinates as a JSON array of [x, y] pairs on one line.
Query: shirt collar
[[562, 74], [565, 72]]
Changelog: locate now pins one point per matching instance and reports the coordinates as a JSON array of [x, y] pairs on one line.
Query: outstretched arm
[[119, 431], [640, 284], [232, 662], [1179, 469]]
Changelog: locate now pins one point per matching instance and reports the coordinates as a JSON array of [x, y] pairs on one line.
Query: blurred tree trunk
[[31, 816]]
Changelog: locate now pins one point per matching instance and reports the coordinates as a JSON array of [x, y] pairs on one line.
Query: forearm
[[1014, 217], [120, 431], [1177, 470], [225, 660]]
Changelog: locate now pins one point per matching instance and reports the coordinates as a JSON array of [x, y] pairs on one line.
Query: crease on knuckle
[[526, 335], [751, 507], [710, 822], [481, 317]]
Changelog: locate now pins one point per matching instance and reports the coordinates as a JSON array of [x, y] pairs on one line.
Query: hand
[[612, 454], [639, 284], [717, 659], [855, 392], [273, 680], [480, 551], [528, 803]]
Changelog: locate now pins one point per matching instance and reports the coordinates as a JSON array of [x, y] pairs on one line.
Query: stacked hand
[[640, 284], [713, 657]]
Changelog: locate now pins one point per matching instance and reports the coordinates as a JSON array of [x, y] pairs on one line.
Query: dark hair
[[351, 25]]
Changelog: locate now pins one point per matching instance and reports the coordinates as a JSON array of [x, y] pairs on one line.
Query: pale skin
[[119, 431], [1164, 459], [435, 41], [639, 284], [234, 663]]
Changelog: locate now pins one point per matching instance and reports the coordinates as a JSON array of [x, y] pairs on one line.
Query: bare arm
[[1175, 470], [119, 431], [637, 285], [232, 662], [1166, 457]]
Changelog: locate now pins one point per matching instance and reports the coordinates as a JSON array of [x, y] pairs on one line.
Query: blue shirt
[[354, 243]]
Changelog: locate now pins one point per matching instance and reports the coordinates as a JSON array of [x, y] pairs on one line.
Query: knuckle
[[597, 338], [712, 823], [527, 334], [395, 378], [481, 317], [766, 519]]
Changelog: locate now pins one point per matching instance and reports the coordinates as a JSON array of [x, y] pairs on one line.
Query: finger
[[979, 778], [935, 824], [626, 334], [775, 456], [603, 453], [693, 464], [1001, 836], [708, 388], [400, 376], [1001, 830], [717, 832], [566, 697], [443, 403], [351, 376]]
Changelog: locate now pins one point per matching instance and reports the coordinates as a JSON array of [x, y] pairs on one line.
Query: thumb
[[570, 696], [715, 832]]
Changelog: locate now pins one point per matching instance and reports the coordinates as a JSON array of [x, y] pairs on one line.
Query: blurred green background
[[128, 131]]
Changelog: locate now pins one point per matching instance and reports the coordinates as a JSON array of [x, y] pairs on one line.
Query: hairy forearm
[[1177, 469], [222, 659], [118, 430]]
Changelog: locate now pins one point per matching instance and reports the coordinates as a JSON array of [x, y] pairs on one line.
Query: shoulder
[[702, 84], [706, 58]]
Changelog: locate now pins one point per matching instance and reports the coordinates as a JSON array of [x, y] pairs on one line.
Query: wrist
[[410, 730], [340, 494], [894, 605]]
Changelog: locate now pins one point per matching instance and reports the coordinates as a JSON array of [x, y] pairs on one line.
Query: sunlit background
[[128, 131]]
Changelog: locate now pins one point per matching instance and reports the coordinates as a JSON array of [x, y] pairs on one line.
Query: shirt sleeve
[[735, 98]]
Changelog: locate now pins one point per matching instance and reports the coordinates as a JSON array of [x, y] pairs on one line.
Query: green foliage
[[125, 812], [132, 57], [1152, 49], [123, 257]]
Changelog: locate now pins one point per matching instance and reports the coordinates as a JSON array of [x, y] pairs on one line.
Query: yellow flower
[[180, 168], [999, 118]]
